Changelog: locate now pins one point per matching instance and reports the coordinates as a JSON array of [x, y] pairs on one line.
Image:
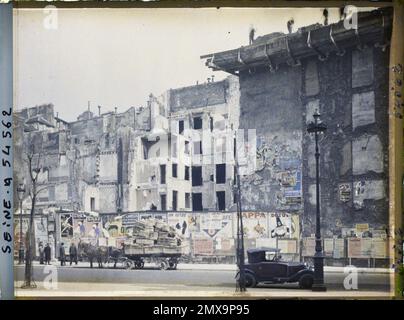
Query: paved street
[[196, 280]]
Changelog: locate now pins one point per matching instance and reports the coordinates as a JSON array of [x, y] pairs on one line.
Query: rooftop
[[374, 27]]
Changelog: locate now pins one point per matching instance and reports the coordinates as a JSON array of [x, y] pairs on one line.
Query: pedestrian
[[47, 252], [62, 254], [73, 253], [41, 253]]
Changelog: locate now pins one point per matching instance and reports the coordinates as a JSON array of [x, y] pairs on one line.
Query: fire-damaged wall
[[350, 91], [284, 79], [270, 103]]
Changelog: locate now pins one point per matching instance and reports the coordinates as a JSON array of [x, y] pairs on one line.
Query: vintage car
[[265, 266]]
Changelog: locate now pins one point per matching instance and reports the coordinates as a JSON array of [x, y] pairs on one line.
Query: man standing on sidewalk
[[73, 253], [62, 254], [47, 252]]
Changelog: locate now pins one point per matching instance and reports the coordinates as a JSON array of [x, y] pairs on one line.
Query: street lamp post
[[317, 127], [240, 228], [20, 193]]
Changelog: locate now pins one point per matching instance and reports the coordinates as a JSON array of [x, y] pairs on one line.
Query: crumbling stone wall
[[350, 92]]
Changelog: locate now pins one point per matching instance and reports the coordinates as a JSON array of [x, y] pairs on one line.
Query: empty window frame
[[221, 200], [181, 126], [92, 204], [175, 170], [186, 173], [197, 123], [197, 202], [196, 176], [175, 200], [163, 202], [221, 173], [162, 174], [187, 200], [186, 147]]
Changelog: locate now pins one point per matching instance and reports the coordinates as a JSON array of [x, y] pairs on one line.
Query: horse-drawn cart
[[164, 257]]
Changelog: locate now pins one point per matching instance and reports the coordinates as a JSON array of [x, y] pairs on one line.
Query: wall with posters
[[212, 235]]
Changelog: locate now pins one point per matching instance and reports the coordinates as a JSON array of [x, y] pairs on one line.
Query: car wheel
[[306, 281], [250, 281]]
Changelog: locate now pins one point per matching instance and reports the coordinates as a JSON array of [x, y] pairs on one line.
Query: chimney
[[99, 110], [213, 77], [116, 108], [88, 105]]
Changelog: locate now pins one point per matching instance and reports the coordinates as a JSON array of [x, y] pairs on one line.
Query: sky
[[117, 57]]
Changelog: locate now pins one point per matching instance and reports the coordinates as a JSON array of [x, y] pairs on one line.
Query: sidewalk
[[232, 267], [136, 291]]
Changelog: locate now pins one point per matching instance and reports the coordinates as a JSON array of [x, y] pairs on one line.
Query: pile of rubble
[[153, 232]]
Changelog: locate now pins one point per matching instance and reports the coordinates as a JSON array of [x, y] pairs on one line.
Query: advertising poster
[[179, 221], [128, 220], [255, 225], [41, 233], [287, 246], [83, 225], [19, 237], [203, 246], [152, 215], [379, 249], [225, 246], [339, 249], [280, 225], [66, 225], [309, 245], [217, 225], [354, 248], [329, 247]]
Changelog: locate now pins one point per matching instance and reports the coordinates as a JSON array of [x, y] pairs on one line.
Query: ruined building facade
[[284, 79], [169, 155]]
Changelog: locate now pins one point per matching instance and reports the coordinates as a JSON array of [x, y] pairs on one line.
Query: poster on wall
[[359, 248], [292, 184], [41, 233], [329, 247], [379, 249], [179, 221], [345, 192], [217, 224], [153, 215], [66, 225], [309, 245], [280, 225], [287, 246], [83, 225], [339, 249], [129, 220], [203, 246], [255, 225], [17, 235], [224, 245]]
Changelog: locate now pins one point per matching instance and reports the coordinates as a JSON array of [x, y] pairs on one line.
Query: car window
[[269, 256]]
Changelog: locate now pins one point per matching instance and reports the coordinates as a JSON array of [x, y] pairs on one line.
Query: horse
[[114, 254], [100, 253]]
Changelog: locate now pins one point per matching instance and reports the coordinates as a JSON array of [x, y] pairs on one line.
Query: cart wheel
[[163, 265], [128, 264], [172, 264], [139, 264]]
